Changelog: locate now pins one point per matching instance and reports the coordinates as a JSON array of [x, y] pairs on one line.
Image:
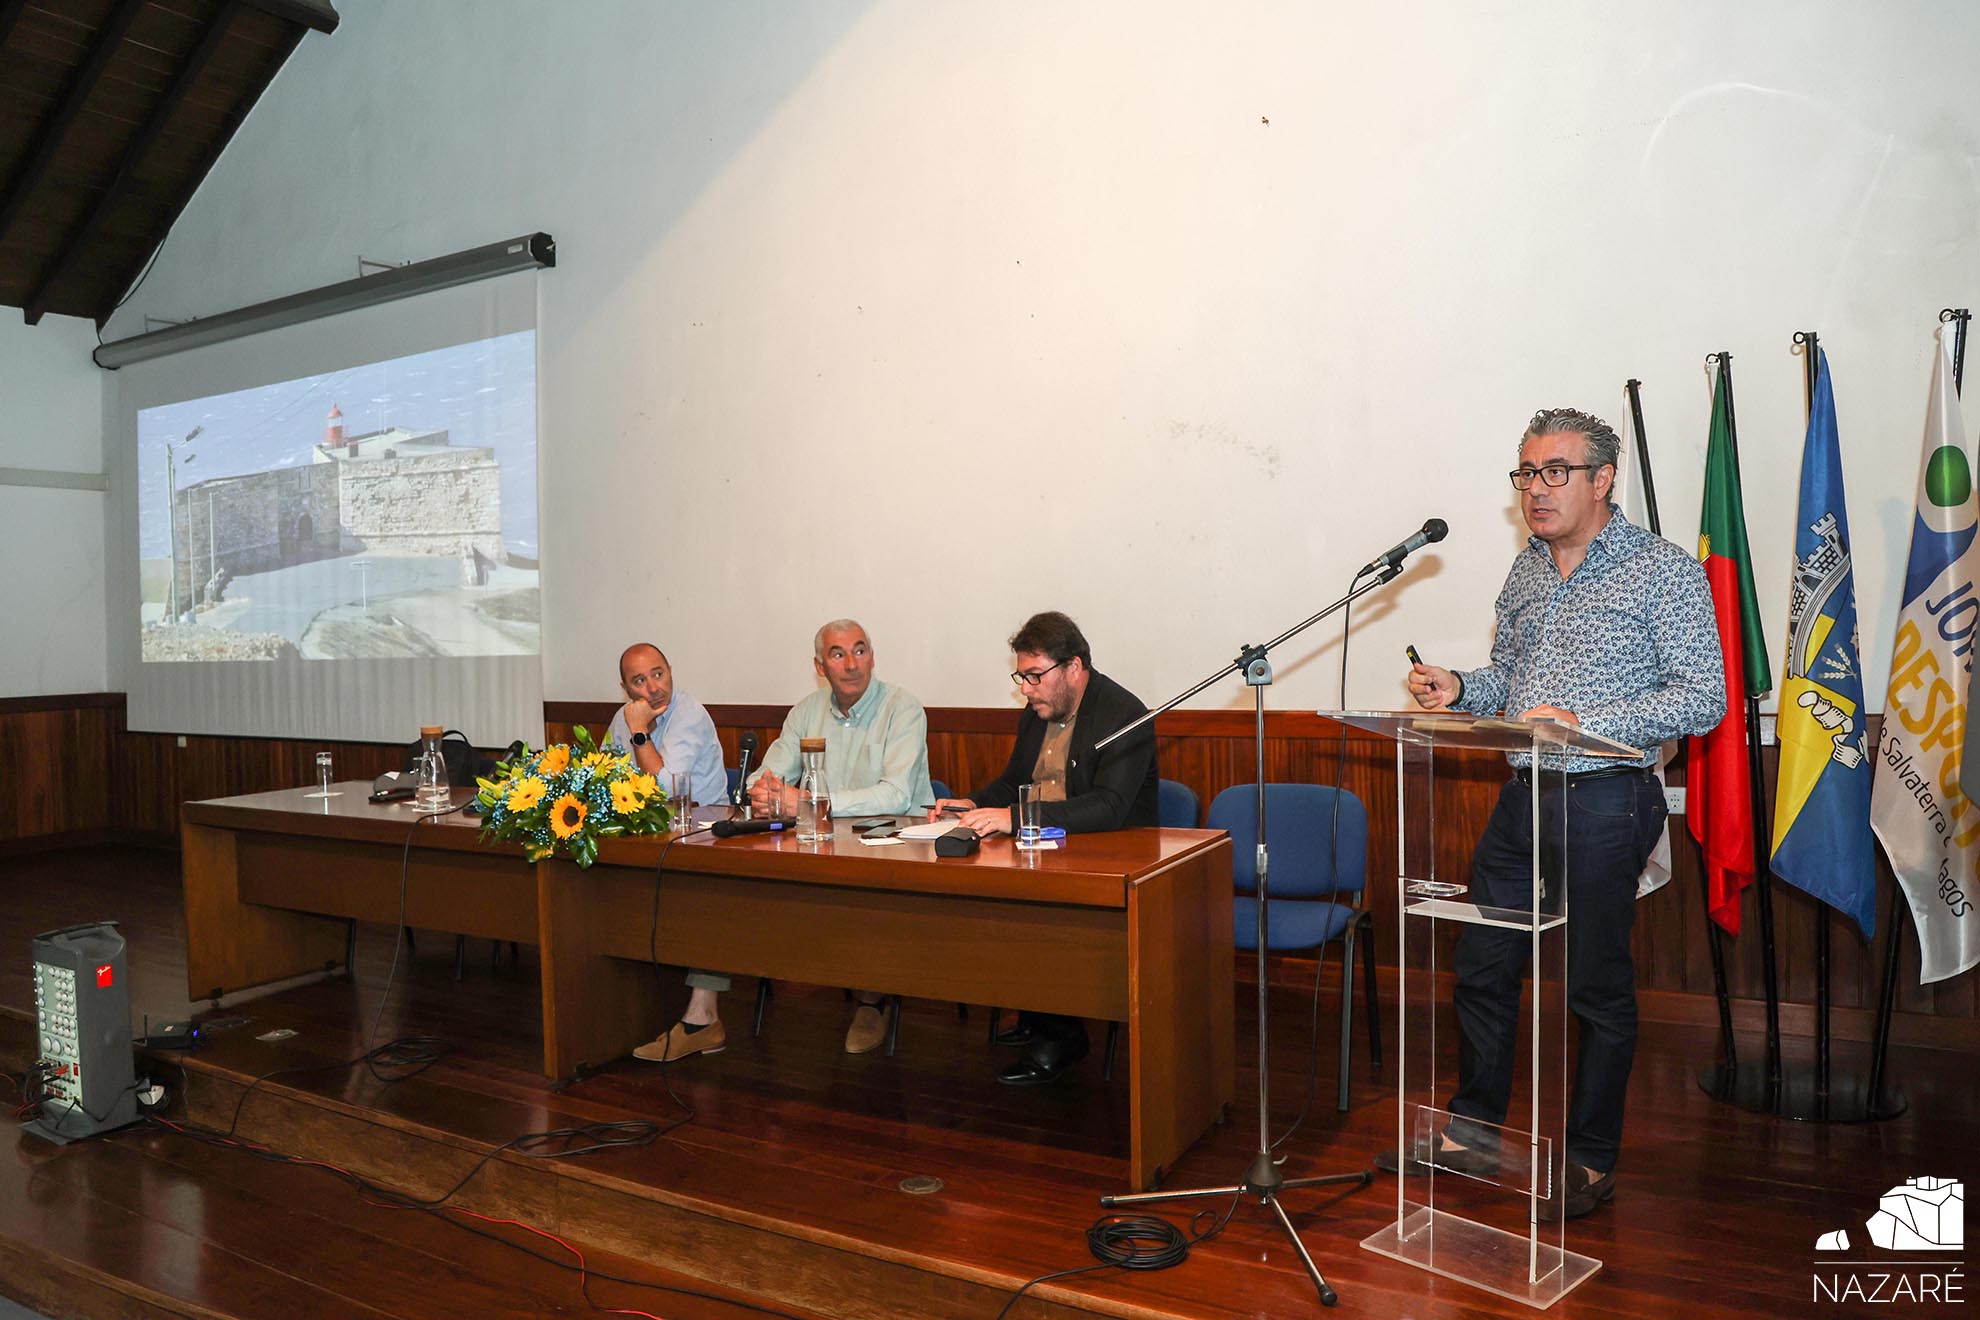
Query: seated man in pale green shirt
[[876, 735], [876, 760]]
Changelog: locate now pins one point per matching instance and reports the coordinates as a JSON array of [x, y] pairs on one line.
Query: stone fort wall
[[436, 504], [255, 523], [431, 504]]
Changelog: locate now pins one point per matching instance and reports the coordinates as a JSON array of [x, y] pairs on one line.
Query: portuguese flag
[[1718, 784]]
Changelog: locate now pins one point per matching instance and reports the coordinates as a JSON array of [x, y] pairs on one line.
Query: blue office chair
[[1175, 808], [1318, 878]]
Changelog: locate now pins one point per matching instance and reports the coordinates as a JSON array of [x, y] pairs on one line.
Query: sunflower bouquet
[[569, 796]]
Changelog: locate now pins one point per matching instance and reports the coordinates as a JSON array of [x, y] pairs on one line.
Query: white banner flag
[[1929, 828]]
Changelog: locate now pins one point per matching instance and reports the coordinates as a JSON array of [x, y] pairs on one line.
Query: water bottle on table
[[814, 796]]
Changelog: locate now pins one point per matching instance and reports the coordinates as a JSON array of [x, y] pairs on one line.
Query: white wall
[[1169, 315], [52, 589]]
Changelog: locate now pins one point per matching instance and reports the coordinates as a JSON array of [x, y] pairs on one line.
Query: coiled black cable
[[1136, 1242]]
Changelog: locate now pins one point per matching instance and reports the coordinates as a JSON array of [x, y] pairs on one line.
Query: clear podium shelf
[[1473, 914]]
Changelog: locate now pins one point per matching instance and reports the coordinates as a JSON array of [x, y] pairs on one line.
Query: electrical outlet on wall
[[1674, 799]]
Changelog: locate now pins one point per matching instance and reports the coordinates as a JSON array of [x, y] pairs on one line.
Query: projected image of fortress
[[295, 533]]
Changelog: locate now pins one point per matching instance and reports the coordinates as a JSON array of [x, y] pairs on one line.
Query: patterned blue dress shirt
[[1628, 642]]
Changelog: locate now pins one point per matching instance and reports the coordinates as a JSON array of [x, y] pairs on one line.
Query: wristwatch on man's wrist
[[639, 740]]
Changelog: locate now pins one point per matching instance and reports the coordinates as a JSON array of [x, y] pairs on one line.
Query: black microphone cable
[[1320, 958], [653, 957], [1136, 1242], [399, 940]]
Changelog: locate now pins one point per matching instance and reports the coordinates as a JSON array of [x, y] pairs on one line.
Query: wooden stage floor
[[784, 1188]]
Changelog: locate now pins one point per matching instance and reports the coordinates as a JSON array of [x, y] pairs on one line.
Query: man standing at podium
[[1610, 628]]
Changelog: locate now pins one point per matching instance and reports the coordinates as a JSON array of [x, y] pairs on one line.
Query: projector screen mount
[[536, 251]]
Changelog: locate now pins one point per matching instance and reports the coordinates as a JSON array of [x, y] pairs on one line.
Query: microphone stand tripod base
[[1264, 1182]]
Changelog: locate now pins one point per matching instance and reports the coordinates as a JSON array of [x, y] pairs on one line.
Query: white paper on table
[[929, 829]]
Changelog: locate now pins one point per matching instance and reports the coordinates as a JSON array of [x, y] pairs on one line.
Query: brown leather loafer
[[868, 1029], [679, 1042], [1583, 1195], [1477, 1163]]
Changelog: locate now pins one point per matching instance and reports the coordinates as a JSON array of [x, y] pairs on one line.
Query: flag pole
[[1756, 789], [1643, 455], [1812, 352], [1894, 923], [1728, 1049], [1959, 316], [1824, 1097]]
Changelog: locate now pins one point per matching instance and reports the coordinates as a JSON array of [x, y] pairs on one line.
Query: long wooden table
[[1133, 927]]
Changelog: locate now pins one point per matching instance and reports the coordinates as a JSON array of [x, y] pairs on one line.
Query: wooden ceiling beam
[[141, 144], [189, 183], [14, 196], [316, 15]]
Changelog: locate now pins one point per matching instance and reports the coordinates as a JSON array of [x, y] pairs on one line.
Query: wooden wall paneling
[[74, 770], [55, 765]]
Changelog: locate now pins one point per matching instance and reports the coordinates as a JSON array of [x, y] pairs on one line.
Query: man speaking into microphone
[[1608, 627]]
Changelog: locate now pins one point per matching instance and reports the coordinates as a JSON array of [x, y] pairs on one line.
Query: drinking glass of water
[[1031, 813], [323, 789]]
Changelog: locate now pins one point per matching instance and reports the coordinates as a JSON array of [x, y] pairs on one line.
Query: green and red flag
[[1719, 784]]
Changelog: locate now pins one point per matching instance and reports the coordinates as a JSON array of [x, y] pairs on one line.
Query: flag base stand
[[1798, 1096]]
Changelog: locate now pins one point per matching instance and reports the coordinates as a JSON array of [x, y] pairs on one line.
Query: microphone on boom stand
[[1433, 530]]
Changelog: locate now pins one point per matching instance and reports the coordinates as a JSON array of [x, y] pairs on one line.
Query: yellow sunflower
[[567, 816], [593, 760], [647, 785], [627, 799], [526, 794], [555, 760]]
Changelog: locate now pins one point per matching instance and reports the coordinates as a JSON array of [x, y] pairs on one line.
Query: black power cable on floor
[[1136, 1242], [394, 1061]]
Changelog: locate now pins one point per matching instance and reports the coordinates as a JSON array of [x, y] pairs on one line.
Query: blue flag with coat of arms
[[1822, 839]]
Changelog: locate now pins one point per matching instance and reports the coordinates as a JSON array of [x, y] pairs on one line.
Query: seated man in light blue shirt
[[669, 732], [876, 758], [666, 731]]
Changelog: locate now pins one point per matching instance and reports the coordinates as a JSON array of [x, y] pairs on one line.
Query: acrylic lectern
[[1494, 1231]]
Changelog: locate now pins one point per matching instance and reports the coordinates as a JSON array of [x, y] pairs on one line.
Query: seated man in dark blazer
[[1069, 707]]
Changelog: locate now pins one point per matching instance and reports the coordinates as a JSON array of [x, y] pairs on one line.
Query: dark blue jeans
[[1612, 824]]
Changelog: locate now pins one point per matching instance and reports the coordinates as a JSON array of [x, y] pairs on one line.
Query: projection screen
[[330, 530]]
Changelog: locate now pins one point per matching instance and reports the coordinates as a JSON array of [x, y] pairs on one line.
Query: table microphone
[[747, 744], [958, 842], [1433, 530], [723, 829]]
